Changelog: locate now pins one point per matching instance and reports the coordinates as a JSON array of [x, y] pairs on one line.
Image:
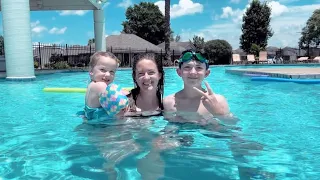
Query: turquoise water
[[276, 138]]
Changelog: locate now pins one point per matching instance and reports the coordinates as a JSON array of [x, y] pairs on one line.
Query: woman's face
[[147, 75]]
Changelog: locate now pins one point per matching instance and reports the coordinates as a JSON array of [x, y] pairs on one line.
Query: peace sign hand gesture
[[215, 104]]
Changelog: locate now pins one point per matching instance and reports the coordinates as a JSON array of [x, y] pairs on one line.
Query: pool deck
[[289, 73]]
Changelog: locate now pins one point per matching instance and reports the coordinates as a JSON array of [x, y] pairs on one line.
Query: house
[[290, 54], [127, 46], [176, 48]]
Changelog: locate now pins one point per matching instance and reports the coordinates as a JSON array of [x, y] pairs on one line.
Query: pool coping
[[272, 74]]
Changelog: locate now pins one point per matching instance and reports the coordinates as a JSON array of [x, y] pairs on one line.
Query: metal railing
[[62, 56]]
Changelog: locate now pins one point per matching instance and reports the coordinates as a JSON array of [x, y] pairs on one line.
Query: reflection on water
[[135, 148], [151, 147]]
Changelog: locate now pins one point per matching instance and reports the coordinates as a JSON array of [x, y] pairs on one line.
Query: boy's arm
[[227, 116]]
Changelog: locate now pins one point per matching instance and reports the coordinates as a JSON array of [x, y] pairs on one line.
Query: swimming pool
[[42, 138]]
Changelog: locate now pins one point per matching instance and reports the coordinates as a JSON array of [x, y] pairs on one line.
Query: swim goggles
[[187, 56]]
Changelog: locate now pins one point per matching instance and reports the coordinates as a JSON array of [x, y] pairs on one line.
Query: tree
[[256, 26], [90, 41], [167, 32], [198, 43], [218, 51], [310, 35], [146, 21]]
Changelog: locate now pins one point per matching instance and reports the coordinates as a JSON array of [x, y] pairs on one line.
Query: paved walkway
[[291, 73]]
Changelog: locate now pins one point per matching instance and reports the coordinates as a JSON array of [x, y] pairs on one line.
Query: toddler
[[99, 97]]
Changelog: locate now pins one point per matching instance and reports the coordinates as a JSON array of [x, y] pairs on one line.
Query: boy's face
[[193, 73], [104, 70]]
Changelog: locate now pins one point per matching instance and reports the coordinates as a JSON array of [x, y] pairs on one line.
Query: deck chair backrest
[[263, 55], [250, 57], [316, 58], [236, 58], [303, 58]]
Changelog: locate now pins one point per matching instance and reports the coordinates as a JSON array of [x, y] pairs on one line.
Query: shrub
[[61, 65], [218, 51]]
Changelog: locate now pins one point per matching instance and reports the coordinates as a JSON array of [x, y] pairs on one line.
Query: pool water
[[276, 138]]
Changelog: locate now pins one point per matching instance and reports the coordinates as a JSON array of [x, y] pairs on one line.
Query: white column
[[99, 30], [17, 39]]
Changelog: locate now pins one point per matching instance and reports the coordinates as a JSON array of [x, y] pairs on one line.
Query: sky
[[210, 19]]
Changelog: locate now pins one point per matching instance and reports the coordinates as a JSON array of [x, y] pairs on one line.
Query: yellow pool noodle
[[71, 90]]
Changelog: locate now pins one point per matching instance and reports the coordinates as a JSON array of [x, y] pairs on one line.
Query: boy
[[193, 101]]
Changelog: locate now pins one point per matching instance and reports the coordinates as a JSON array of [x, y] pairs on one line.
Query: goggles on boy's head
[[189, 55]]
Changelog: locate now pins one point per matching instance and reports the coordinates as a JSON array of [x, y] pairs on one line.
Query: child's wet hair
[[152, 57], [96, 56]]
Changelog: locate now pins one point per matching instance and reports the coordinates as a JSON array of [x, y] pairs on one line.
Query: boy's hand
[[210, 101]]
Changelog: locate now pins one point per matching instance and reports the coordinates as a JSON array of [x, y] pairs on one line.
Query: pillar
[[17, 39], [99, 30]]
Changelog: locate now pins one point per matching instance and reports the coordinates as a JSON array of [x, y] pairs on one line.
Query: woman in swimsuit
[[146, 99]]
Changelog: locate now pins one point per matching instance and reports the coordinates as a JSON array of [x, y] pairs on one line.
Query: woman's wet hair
[[152, 57], [96, 56]]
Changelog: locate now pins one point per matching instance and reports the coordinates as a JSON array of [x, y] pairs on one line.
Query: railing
[[58, 56], [62, 56]]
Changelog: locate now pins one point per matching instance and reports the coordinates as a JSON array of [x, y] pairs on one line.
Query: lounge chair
[[302, 59], [236, 59], [263, 57], [250, 58], [316, 59]]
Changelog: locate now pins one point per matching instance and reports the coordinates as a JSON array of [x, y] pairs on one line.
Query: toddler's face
[[104, 70]]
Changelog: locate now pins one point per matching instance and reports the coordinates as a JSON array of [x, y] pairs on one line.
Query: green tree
[[167, 33], [177, 38], [255, 49], [256, 26], [310, 35], [146, 21], [198, 43], [218, 51], [90, 41]]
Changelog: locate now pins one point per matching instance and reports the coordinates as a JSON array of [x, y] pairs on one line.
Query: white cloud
[[36, 28], [286, 22], [73, 12], [236, 14], [277, 9], [55, 30], [125, 4], [227, 31], [184, 7]]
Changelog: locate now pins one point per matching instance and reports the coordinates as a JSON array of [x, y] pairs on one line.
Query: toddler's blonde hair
[[96, 56]]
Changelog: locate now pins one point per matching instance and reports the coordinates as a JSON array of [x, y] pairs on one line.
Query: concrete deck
[[290, 73]]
